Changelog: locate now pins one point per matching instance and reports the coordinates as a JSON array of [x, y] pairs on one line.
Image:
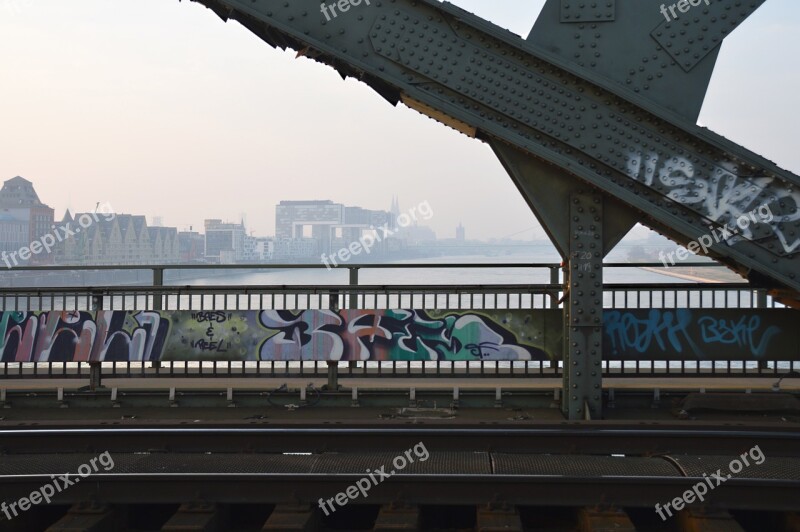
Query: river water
[[436, 276]]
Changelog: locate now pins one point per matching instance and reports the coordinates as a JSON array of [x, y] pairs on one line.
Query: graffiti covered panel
[[75, 336], [391, 335], [701, 334], [401, 335]]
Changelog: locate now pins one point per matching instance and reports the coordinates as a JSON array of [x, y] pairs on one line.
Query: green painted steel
[[668, 59], [583, 308], [674, 176]]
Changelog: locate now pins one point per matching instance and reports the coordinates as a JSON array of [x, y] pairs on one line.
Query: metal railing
[[352, 295]]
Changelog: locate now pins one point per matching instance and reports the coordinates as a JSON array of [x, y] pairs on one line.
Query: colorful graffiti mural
[[402, 335], [272, 335], [74, 336], [399, 335]]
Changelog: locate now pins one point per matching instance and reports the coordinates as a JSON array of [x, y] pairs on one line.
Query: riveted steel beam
[[547, 189], [641, 46], [583, 308], [687, 181]]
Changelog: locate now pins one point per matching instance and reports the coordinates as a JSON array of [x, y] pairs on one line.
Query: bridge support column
[[583, 308], [583, 224]]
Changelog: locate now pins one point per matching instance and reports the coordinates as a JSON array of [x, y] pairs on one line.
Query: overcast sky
[[159, 108]]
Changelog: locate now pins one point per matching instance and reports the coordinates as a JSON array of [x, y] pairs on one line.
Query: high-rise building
[[304, 229], [291, 217], [308, 219]]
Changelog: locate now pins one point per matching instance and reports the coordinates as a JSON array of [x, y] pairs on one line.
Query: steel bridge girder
[[688, 181]]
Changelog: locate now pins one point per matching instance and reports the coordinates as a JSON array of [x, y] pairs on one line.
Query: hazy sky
[[159, 108]]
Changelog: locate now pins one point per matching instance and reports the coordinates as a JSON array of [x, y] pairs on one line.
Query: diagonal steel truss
[[540, 110]]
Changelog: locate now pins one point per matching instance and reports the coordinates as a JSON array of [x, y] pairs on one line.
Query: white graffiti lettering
[[723, 196]]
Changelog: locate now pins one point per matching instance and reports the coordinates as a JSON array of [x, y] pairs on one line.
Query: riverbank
[[699, 275]]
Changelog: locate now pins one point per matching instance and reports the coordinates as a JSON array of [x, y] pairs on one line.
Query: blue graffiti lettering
[[665, 329], [743, 333]]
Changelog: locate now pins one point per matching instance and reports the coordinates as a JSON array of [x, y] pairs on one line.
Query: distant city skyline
[[166, 110], [306, 231], [157, 220], [534, 232]]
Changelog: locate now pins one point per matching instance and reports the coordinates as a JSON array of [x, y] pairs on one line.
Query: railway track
[[479, 473], [625, 464]]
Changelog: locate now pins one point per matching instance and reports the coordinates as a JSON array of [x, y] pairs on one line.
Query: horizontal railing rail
[[351, 295], [159, 272], [296, 297], [319, 266]]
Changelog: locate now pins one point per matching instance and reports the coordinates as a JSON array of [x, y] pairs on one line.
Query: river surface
[[433, 275]]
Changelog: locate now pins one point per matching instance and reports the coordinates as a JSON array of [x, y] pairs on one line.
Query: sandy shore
[[688, 277]]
